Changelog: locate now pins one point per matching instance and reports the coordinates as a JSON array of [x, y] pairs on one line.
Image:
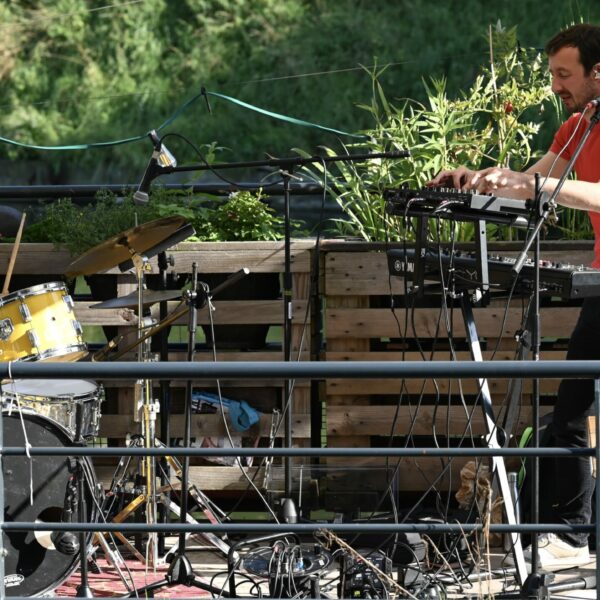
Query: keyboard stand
[[492, 440]]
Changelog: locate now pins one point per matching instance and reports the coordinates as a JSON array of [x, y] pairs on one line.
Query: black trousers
[[573, 483]]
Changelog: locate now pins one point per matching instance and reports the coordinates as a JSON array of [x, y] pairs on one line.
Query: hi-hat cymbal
[[131, 300], [122, 246]]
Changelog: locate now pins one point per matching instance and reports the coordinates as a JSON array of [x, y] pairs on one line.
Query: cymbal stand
[[149, 410], [180, 570]]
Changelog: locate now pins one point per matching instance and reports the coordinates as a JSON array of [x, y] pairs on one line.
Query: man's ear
[[596, 70]]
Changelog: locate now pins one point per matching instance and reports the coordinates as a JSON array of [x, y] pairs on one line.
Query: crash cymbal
[[131, 300], [120, 247]]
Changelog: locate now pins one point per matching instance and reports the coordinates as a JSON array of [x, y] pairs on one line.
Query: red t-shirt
[[587, 165]]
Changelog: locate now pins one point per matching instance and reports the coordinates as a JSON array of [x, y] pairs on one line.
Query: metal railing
[[304, 370]]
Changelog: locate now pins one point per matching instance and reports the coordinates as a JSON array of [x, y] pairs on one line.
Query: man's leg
[[573, 481]]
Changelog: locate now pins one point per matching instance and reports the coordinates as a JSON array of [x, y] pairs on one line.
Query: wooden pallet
[[358, 326]]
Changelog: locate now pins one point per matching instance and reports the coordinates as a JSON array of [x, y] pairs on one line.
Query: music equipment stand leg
[[498, 466]]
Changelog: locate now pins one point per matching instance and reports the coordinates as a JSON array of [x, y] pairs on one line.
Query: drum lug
[[77, 327], [25, 312], [34, 340], [6, 329], [69, 302]]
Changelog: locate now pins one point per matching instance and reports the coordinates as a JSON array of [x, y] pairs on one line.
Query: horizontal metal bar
[[291, 528], [89, 191], [550, 369], [308, 452]]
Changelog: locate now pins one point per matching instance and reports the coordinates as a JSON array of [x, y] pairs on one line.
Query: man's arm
[[582, 195]]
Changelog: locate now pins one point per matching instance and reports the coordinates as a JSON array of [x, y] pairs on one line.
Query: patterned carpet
[[108, 583]]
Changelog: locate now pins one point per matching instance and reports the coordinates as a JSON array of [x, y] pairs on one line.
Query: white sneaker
[[555, 554]]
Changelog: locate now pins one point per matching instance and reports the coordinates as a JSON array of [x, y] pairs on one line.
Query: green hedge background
[[77, 71]]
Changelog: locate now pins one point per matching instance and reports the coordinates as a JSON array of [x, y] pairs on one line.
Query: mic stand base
[[84, 592], [180, 573]]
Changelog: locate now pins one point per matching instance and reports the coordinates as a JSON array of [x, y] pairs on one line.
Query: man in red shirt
[[574, 63]]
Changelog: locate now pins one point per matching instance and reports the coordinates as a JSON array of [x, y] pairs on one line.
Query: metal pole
[[2, 550], [597, 454]]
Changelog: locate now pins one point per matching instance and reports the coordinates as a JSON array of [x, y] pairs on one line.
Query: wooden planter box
[[359, 325]]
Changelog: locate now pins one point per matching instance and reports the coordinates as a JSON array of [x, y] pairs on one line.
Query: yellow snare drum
[[38, 323]]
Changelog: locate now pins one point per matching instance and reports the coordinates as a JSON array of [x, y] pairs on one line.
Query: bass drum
[[33, 566]]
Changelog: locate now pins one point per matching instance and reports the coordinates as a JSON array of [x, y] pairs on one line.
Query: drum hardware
[[180, 570], [131, 300], [203, 503], [6, 329]]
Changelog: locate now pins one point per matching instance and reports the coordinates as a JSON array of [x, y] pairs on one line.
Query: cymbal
[[131, 300], [120, 247]]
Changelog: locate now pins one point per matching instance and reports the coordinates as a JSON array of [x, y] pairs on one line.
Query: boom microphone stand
[[286, 167], [537, 584]]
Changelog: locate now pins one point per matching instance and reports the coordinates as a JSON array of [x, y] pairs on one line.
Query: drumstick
[[13, 256]]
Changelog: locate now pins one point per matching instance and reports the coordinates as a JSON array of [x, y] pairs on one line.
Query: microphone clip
[[160, 160]]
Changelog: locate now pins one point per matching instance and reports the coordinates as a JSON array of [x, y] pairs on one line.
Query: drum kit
[[39, 324]]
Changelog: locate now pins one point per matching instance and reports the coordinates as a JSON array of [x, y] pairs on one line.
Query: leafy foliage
[[244, 216], [494, 122], [76, 72]]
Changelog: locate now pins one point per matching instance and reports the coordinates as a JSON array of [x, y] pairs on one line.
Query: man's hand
[[487, 181], [457, 178]]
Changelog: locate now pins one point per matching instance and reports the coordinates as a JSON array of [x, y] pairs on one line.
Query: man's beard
[[588, 95]]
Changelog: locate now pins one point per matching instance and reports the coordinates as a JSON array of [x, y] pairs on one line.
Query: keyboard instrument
[[556, 279], [460, 205]]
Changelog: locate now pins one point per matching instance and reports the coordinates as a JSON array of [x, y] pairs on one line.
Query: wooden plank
[[214, 257], [207, 478], [203, 425], [343, 422], [341, 387], [371, 322], [227, 312], [414, 474], [351, 387], [366, 273]]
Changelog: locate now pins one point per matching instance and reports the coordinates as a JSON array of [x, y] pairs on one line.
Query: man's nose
[[556, 85]]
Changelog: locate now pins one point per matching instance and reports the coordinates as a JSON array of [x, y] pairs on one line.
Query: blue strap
[[242, 415]]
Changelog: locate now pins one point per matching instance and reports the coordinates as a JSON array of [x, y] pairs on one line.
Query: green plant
[[494, 122], [244, 216]]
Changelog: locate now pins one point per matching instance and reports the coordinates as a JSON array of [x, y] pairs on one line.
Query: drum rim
[[62, 351], [9, 390], [34, 290]]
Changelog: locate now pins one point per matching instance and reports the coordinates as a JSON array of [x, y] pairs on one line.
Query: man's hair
[[584, 37]]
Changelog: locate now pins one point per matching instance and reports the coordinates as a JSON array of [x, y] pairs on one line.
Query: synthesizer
[[460, 205], [556, 279]]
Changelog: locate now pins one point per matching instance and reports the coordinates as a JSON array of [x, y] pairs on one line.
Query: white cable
[[27, 444]]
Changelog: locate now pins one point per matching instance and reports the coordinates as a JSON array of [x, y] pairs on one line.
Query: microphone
[[593, 103], [65, 542], [161, 157]]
